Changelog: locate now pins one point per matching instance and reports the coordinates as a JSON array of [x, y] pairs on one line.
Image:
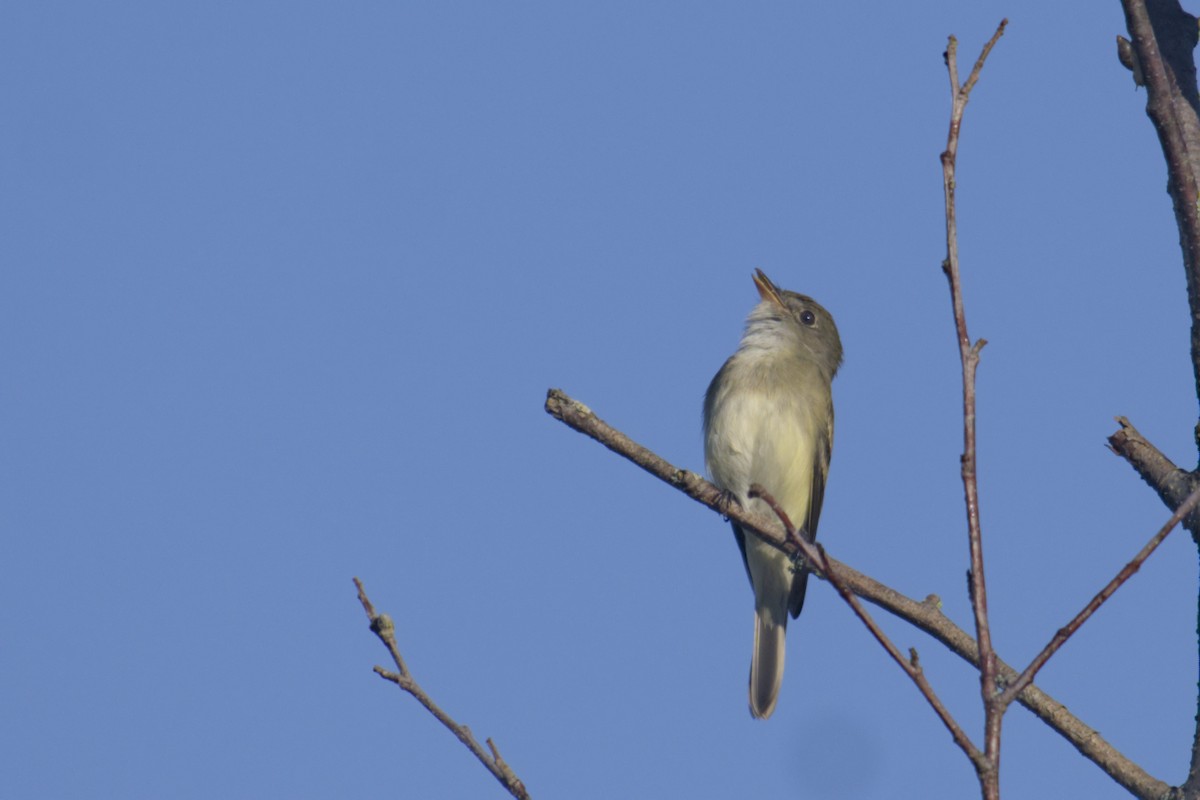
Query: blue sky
[[284, 288]]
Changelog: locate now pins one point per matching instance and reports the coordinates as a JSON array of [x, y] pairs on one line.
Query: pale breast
[[766, 436]]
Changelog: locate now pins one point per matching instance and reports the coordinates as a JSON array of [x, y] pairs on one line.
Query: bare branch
[[578, 416], [988, 768], [978, 68], [381, 625], [1172, 484], [926, 615], [815, 555], [1160, 51], [1163, 38], [1065, 632]]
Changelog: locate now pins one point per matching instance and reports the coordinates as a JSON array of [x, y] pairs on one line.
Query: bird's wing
[[820, 468]]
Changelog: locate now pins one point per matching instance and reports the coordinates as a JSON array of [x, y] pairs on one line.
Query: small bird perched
[[768, 419]]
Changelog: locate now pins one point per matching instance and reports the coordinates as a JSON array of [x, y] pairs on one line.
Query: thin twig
[[757, 491], [815, 555], [1065, 632], [381, 625], [926, 615], [987, 769]]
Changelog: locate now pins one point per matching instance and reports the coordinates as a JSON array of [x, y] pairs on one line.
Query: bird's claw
[[726, 501]]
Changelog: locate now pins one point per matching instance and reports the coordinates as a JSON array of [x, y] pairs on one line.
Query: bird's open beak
[[766, 289]]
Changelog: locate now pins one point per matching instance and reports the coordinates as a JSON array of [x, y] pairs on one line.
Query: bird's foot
[[726, 501]]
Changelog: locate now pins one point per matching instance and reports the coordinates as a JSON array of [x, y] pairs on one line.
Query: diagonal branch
[[1172, 484], [815, 556], [1065, 632], [381, 626], [926, 615]]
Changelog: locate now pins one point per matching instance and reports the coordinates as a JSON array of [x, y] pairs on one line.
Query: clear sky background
[[285, 284]]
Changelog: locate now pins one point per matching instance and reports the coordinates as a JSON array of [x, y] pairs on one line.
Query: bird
[[768, 420]]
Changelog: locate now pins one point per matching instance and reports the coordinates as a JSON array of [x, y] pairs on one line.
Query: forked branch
[[381, 626], [987, 768], [814, 555], [926, 615]]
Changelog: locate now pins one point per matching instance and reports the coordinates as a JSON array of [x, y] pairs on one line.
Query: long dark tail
[[766, 668]]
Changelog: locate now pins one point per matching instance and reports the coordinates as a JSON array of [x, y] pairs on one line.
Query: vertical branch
[[1164, 36], [988, 768], [1191, 786]]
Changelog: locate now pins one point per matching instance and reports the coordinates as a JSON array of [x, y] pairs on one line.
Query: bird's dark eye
[[808, 317]]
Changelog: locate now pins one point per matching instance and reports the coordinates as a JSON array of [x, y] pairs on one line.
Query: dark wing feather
[[740, 535]]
